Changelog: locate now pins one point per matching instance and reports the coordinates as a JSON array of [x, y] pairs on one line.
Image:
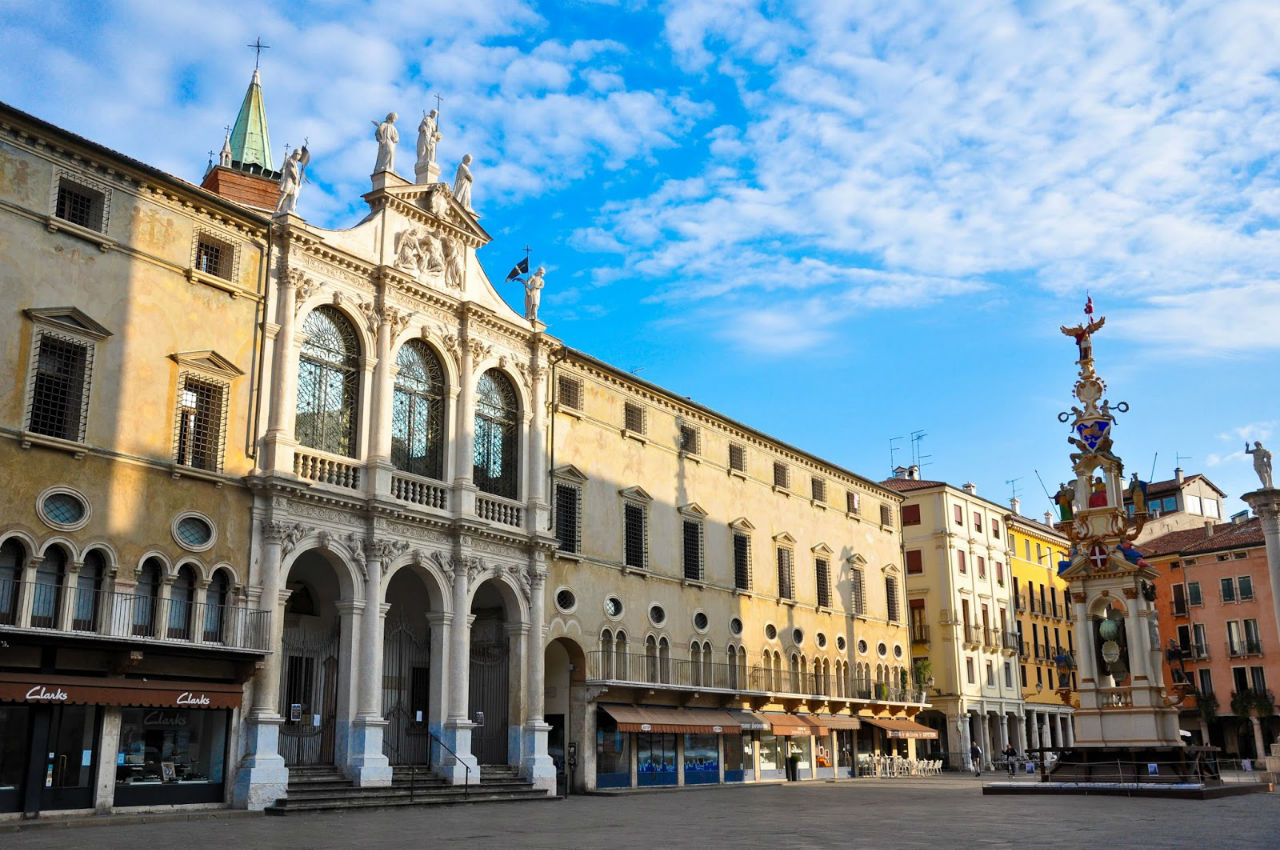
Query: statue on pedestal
[[533, 294], [462, 183], [1261, 463], [291, 177], [388, 137], [428, 135]]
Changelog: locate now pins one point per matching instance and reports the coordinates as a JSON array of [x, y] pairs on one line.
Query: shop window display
[[170, 755], [769, 758], [613, 754], [736, 747], [701, 759], [656, 758]]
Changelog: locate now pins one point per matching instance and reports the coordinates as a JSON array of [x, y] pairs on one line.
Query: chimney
[[1208, 528], [901, 473], [913, 472], [971, 488], [1048, 518], [1177, 474], [1015, 506]]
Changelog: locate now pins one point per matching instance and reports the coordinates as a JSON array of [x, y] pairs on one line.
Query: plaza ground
[[946, 812]]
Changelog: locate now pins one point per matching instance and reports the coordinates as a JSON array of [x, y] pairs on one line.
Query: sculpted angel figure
[[1082, 335]]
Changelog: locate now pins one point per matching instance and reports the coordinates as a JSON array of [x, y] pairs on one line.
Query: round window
[[862, 647], [840, 644], [735, 626], [771, 632], [797, 636], [700, 621], [63, 508], [565, 600], [193, 532], [882, 650], [657, 615], [613, 606], [822, 640], [897, 651]]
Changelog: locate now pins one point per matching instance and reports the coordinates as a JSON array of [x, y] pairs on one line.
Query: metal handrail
[[465, 766]]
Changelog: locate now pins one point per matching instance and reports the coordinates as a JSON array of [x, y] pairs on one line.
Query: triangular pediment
[[822, 549], [67, 318], [742, 524], [635, 494], [693, 509], [569, 472], [207, 361], [857, 560], [784, 539]]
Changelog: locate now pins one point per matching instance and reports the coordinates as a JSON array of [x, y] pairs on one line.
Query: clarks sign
[[188, 698], [42, 694]]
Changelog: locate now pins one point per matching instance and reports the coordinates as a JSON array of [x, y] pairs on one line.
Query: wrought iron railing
[[1011, 641]]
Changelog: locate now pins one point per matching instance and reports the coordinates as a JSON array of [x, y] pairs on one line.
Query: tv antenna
[[1013, 486], [893, 451], [916, 438], [1178, 459]]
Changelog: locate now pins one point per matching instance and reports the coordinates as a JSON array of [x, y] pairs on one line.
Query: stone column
[[279, 442], [1266, 504], [66, 607], [465, 439], [1259, 745], [984, 741], [370, 767], [458, 726], [104, 793], [262, 777], [1022, 734], [1055, 732], [380, 403], [535, 763], [538, 512], [1069, 730], [1004, 732], [958, 732], [1045, 740]]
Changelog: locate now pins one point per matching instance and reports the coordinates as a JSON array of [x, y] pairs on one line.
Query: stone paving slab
[[945, 812]]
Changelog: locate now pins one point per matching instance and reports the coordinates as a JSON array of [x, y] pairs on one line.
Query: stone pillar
[[1259, 745], [536, 765], [458, 726], [380, 402], [539, 512], [1045, 740], [1021, 723], [1266, 504], [279, 442], [1004, 732], [465, 440], [67, 604], [984, 740], [370, 767], [1068, 729], [262, 777], [104, 793], [1055, 732], [957, 731]]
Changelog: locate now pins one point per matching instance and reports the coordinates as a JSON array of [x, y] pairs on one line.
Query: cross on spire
[[258, 47]]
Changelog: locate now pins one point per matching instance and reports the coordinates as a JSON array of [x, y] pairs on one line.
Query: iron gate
[[309, 696], [489, 687], [406, 690]]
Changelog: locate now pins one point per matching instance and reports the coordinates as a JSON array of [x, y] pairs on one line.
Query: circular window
[[63, 509], [897, 651], [657, 615], [565, 600], [193, 531], [882, 650], [613, 606], [771, 632], [797, 636], [735, 626], [862, 647], [700, 621], [840, 644], [822, 640]]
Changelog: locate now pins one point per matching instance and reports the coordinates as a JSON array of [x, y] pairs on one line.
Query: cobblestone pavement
[[947, 812]]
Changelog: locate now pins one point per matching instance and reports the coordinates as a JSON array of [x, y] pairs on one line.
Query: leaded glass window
[[328, 383], [497, 413], [417, 412]]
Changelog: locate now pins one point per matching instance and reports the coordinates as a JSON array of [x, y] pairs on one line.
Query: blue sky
[[836, 222]]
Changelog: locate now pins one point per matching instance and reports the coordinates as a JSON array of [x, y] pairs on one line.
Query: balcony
[[1023, 651], [972, 635], [656, 671], [1011, 642], [919, 634], [991, 639], [39, 607], [1020, 603], [499, 510], [1241, 648]]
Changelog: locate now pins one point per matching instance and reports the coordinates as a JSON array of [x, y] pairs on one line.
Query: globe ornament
[[1109, 630], [1111, 652]]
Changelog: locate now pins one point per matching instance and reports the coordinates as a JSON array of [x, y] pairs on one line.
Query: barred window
[[819, 489], [689, 439], [570, 391], [741, 561], [202, 423], [858, 590], [213, 257], [786, 575], [568, 517], [417, 412], [328, 383], [853, 502], [737, 457], [886, 515], [891, 597], [822, 573], [692, 550], [497, 412], [60, 387], [633, 417], [634, 534], [79, 204], [781, 475]]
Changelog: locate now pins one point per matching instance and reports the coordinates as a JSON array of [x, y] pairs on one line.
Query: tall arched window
[[215, 610], [620, 655], [497, 415], [606, 654], [47, 594], [695, 663], [88, 583], [12, 556], [417, 412], [181, 595], [731, 655], [327, 383], [651, 658], [145, 597], [664, 660]]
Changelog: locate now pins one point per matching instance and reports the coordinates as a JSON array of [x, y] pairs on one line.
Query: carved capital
[[1130, 593], [286, 534], [370, 312]]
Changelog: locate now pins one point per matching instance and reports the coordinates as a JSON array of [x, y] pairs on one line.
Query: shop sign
[[188, 698], [42, 694], [645, 727], [164, 718], [717, 728]]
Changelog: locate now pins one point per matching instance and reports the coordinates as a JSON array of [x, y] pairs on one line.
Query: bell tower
[[246, 172]]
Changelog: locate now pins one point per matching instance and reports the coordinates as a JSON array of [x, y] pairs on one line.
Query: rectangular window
[[635, 536], [1234, 642], [1022, 670], [960, 562], [915, 562], [991, 675], [853, 502], [1228, 590], [1245, 586], [568, 517], [886, 516], [995, 528], [780, 474], [1008, 674], [819, 489], [1179, 599], [786, 575], [1258, 680], [1201, 640], [737, 457], [1240, 676], [968, 670], [1026, 550], [59, 392], [1000, 572], [910, 515], [692, 550], [570, 391], [741, 561], [822, 573], [977, 521], [688, 439], [1206, 682], [858, 591], [891, 598], [958, 514], [80, 205], [633, 417], [982, 567], [1193, 593], [1039, 554], [201, 424], [1252, 638]]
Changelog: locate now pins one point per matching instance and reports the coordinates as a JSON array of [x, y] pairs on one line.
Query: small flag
[[1088, 306], [520, 268]]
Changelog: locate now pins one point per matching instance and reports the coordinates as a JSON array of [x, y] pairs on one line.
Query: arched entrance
[[490, 676], [565, 712], [310, 662], [407, 696]]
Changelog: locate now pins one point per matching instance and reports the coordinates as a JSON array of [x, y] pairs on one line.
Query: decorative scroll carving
[[286, 534], [370, 312]]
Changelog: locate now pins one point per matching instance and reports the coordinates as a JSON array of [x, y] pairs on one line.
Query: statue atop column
[[388, 137], [1261, 463]]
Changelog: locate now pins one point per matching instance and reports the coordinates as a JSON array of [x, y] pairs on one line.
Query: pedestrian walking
[[975, 754], [1011, 759]]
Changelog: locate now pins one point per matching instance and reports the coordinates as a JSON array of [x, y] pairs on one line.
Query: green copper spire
[[250, 143]]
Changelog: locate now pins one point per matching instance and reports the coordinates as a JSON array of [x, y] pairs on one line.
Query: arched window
[[417, 412], [606, 654], [664, 660], [328, 383], [708, 666], [215, 609], [181, 595], [651, 658], [12, 556], [497, 415], [46, 596], [695, 663], [145, 597], [731, 656], [88, 583], [620, 655]]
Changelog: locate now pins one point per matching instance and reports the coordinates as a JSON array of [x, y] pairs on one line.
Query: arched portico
[[413, 665], [567, 715]]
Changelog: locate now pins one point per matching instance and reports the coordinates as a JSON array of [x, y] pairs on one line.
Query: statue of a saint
[[291, 180], [533, 294], [428, 135], [1064, 498], [1261, 463], [388, 137], [1138, 494], [462, 183], [1082, 335], [1098, 493]]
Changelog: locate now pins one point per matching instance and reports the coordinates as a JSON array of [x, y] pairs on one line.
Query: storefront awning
[[749, 721], [653, 718], [794, 724], [840, 721], [901, 727], [75, 690]]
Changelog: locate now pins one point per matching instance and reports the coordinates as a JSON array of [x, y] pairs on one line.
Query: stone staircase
[[325, 789]]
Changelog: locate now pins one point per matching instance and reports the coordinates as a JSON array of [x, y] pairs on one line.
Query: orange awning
[[653, 718], [901, 727], [794, 724], [840, 721]]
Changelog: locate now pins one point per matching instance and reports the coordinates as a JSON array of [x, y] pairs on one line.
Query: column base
[[535, 764], [262, 777], [367, 765], [459, 767]]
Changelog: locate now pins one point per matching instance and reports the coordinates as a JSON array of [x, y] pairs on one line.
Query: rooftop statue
[[1261, 463], [462, 183], [428, 135], [291, 177], [533, 294], [388, 137]]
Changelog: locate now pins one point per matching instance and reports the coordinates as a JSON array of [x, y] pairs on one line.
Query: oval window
[[771, 632], [63, 508], [700, 621], [565, 600], [613, 606], [193, 532], [657, 615], [735, 626]]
